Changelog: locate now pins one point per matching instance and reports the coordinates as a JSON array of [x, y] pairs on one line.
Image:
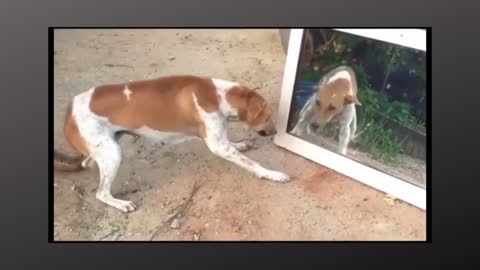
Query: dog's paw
[[243, 145], [342, 150], [297, 132], [276, 176], [125, 206], [122, 205]]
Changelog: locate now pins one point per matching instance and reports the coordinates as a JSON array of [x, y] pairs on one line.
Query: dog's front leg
[[343, 139], [225, 149], [242, 145], [304, 118]]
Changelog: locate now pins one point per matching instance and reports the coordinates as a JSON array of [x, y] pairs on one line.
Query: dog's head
[[253, 110], [259, 115], [330, 100]]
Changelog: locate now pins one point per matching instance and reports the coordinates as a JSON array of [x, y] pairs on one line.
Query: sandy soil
[[230, 204]]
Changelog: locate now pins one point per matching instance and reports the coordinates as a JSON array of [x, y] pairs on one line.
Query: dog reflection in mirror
[[333, 102]]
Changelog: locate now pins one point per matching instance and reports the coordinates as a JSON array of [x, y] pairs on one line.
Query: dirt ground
[[229, 203]]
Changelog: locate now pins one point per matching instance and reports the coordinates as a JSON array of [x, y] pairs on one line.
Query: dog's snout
[[266, 133], [262, 133], [314, 126]]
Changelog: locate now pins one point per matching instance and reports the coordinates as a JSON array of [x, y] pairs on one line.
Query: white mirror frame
[[400, 189]]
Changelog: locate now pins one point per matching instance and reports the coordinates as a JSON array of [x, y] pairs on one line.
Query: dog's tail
[[64, 162]]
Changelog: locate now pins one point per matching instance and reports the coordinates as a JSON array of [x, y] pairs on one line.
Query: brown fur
[[164, 104], [252, 108], [332, 96], [64, 162]]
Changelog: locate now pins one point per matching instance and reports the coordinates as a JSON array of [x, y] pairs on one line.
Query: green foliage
[[380, 143], [311, 75], [374, 115]]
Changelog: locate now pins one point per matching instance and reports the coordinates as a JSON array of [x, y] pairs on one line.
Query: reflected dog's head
[[253, 110], [332, 95]]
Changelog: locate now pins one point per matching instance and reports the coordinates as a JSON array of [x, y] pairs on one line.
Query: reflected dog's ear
[[349, 99]]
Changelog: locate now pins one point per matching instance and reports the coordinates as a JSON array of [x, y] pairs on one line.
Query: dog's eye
[[331, 108]]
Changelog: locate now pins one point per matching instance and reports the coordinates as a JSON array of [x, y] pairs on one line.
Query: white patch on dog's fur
[[127, 92], [223, 87], [217, 141], [86, 162], [339, 75], [163, 137]]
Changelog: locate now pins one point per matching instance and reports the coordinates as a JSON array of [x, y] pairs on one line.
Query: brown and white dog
[[334, 101], [168, 110]]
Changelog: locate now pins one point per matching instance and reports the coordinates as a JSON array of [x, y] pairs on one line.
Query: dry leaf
[[390, 199]]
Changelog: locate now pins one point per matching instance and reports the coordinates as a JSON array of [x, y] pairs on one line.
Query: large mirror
[[362, 94]]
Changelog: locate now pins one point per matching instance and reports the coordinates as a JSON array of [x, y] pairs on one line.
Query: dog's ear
[[349, 99], [255, 106]]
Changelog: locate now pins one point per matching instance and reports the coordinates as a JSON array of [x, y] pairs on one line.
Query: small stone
[[249, 222], [196, 237], [175, 224]]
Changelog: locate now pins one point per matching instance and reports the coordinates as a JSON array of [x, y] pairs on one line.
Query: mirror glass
[[362, 98]]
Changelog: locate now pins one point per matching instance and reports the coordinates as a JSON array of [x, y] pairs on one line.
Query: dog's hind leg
[[108, 157]]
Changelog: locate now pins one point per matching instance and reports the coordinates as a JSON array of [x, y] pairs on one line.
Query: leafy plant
[[380, 143]]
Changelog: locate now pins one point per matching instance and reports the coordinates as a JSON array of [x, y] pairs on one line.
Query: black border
[[51, 141], [24, 75]]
